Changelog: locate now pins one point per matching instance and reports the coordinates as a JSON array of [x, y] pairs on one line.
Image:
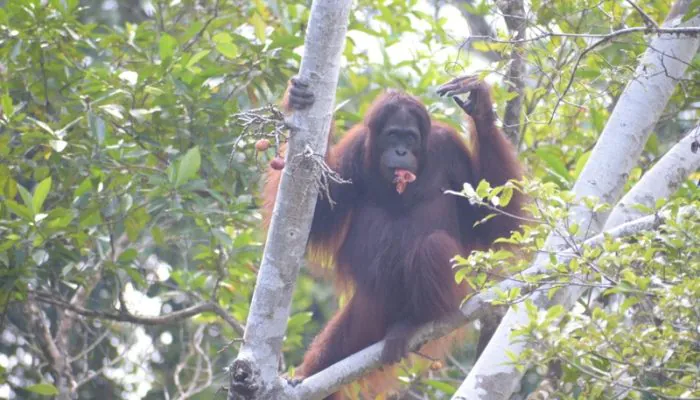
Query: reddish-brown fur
[[394, 250]]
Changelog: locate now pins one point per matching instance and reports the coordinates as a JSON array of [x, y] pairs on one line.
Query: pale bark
[[661, 181], [616, 152], [254, 374]]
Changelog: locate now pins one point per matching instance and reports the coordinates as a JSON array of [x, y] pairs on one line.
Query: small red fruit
[[436, 365], [262, 145], [277, 163]]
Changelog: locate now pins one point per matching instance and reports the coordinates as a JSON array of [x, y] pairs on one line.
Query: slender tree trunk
[[660, 181], [514, 15], [254, 374]]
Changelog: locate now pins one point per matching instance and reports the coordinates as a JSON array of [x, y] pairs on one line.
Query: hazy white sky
[[410, 43]]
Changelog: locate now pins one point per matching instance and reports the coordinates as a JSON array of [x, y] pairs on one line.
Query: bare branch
[[265, 121], [170, 318], [326, 176], [56, 358], [692, 31], [194, 386], [94, 374], [649, 21]]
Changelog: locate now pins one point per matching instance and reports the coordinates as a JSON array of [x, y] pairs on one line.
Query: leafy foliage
[[126, 186], [633, 331]]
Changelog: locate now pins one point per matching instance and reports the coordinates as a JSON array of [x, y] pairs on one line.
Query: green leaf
[[580, 163], [6, 104], [461, 274], [588, 73], [26, 197], [554, 162], [660, 203], [442, 386], [40, 192], [135, 223], [167, 47], [480, 279], [693, 10], [90, 218], [136, 277], [195, 58], [501, 255], [482, 190], [229, 50], [259, 26], [484, 220], [555, 312], [43, 126], [652, 145], [222, 37], [574, 229], [299, 320], [193, 28], [260, 7], [552, 291], [44, 389], [84, 186], [20, 210], [506, 195], [128, 256], [188, 167], [158, 235]]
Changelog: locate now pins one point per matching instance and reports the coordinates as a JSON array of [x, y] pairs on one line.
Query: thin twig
[[121, 316], [647, 19], [327, 175], [267, 121], [687, 31]]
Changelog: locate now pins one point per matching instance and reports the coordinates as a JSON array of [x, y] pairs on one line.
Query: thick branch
[[360, 363], [660, 181]]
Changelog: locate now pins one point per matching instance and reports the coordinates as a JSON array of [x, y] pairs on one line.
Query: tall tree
[[255, 372]]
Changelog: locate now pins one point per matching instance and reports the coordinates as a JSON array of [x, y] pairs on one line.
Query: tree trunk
[[640, 106], [254, 374]]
